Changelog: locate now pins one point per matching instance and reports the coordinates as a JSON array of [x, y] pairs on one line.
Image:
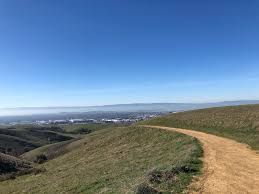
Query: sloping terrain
[[240, 123], [15, 146], [118, 160], [54, 150], [10, 164], [19, 139], [89, 127], [229, 167], [37, 143], [12, 167], [50, 151]]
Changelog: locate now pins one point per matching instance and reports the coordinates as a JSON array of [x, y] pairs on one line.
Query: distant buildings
[[130, 118]]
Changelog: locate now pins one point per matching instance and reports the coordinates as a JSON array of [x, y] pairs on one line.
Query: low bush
[[146, 189], [41, 159], [160, 180]]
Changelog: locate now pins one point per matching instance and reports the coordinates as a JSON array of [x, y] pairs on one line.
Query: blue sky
[[94, 52]]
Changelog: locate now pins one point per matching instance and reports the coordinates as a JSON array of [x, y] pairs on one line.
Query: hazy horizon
[[130, 107], [132, 103]]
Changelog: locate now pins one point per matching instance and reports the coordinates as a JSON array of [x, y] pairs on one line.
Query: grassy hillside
[[16, 140], [85, 128], [51, 151], [240, 123], [14, 145], [117, 160], [54, 150], [9, 164], [19, 139], [12, 167]]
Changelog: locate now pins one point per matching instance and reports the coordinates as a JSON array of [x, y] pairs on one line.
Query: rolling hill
[[54, 150], [117, 160], [11, 167], [138, 159], [240, 123], [19, 139]]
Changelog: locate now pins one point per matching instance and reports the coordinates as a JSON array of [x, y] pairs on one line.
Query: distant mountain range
[[138, 107]]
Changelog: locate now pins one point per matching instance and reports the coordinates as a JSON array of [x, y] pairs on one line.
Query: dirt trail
[[229, 166]]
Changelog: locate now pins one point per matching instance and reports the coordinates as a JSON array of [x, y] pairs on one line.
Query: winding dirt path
[[229, 166]]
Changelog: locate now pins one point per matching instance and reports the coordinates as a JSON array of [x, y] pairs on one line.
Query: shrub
[[167, 178], [41, 159], [155, 176], [146, 189], [6, 167]]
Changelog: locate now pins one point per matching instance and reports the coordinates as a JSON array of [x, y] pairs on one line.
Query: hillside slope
[[227, 164], [240, 123], [18, 139], [54, 150], [9, 164], [118, 160]]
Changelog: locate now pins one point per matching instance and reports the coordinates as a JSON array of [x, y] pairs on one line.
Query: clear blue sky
[[93, 52]]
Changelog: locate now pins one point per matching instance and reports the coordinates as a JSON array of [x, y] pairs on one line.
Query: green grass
[[75, 128], [51, 151], [54, 150], [117, 160], [18, 139], [240, 123], [14, 145]]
